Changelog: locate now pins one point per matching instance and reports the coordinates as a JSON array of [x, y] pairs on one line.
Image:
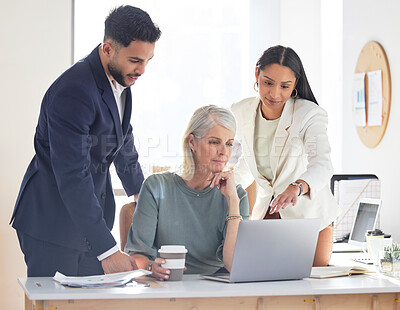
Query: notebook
[[337, 271], [268, 250]]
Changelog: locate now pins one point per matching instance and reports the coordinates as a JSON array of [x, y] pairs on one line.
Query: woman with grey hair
[[200, 209]]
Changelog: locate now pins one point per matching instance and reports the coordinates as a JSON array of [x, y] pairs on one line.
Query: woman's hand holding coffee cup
[[159, 272], [171, 263]]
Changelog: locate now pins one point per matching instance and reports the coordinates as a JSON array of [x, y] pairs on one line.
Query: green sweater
[[171, 213]]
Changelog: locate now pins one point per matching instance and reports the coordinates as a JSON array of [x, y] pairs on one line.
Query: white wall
[[313, 28], [36, 48], [264, 25], [331, 78], [300, 29], [363, 21]]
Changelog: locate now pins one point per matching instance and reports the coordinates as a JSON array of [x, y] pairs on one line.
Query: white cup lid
[[172, 249]]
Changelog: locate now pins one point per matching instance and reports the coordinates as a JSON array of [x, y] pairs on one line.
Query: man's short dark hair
[[126, 23]]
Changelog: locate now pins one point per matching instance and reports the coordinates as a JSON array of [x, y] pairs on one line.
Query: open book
[[337, 271]]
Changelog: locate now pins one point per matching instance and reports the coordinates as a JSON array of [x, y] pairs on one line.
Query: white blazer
[[300, 150]]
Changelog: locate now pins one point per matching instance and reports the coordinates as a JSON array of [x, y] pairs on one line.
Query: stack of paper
[[107, 280]]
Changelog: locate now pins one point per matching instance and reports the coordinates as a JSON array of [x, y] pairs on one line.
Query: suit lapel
[[109, 100], [106, 92], [128, 110]]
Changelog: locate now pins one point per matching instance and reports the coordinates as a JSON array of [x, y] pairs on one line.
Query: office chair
[[251, 195], [339, 177], [127, 210], [125, 222]]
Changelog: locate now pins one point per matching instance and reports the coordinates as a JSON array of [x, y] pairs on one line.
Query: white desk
[[369, 291], [356, 292]]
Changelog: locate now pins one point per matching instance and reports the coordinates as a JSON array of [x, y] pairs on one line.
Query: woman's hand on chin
[[225, 182]]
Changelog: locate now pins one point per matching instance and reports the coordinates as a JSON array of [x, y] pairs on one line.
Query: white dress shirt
[[264, 135], [120, 97]]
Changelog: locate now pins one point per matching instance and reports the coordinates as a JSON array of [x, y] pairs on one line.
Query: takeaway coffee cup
[[174, 256], [370, 235]]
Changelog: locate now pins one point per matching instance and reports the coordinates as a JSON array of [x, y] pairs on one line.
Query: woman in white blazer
[[285, 147]]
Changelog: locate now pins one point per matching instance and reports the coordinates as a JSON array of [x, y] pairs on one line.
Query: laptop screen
[[365, 219]]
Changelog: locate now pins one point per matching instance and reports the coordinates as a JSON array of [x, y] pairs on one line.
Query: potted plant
[[389, 260]]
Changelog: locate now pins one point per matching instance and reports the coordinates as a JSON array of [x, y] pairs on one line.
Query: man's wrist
[[108, 253]]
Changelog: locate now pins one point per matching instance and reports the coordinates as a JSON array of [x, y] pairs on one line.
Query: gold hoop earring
[[255, 86], [295, 96]]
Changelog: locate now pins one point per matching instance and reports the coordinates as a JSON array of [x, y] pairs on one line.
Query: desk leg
[[375, 302], [317, 303], [28, 303], [260, 303], [397, 301], [46, 305], [34, 304]]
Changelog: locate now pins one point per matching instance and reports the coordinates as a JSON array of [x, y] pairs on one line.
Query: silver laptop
[[269, 250]]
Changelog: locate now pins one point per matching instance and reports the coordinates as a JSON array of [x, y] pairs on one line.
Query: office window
[[207, 54], [201, 58]]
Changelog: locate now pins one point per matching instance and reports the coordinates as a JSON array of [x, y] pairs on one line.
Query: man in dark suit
[[65, 208]]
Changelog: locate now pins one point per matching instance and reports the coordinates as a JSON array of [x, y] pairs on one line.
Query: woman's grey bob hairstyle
[[202, 120]]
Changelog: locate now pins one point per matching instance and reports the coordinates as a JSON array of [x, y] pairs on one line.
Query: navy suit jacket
[[66, 195]]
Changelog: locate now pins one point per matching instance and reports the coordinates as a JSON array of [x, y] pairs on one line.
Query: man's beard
[[117, 75]]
